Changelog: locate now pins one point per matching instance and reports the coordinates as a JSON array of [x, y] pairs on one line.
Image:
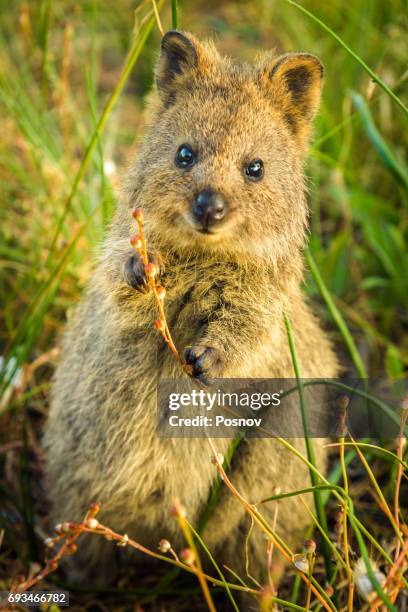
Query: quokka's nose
[[209, 207]]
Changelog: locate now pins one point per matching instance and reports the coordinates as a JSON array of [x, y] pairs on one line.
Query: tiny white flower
[[362, 580], [301, 563], [124, 541]]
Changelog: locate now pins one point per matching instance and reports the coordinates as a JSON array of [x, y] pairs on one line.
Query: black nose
[[209, 207]]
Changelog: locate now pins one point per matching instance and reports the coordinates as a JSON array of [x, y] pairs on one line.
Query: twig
[[156, 14], [343, 405], [400, 453], [139, 242], [282, 547], [180, 513], [68, 532]]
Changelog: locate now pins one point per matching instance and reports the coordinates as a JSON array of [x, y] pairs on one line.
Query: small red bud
[[177, 509], [94, 508], [187, 556], [160, 325], [138, 214], [219, 459], [72, 548], [309, 547], [151, 270], [52, 564], [135, 241], [161, 292]]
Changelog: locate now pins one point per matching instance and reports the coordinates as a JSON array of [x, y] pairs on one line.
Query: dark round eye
[[185, 157], [254, 170]]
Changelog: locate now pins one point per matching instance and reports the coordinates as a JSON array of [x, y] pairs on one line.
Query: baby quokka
[[219, 176]]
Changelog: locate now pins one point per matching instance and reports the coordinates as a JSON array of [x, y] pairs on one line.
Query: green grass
[[73, 78]]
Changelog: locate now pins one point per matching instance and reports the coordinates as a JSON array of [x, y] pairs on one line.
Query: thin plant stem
[[263, 525], [156, 14], [353, 54], [400, 451], [213, 561], [174, 14], [309, 446], [337, 317], [185, 528], [384, 505], [132, 57], [344, 402]]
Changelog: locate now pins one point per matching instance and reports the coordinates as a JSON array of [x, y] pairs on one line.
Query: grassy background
[[59, 63]]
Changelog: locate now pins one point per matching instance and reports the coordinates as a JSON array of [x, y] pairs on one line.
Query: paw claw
[[205, 362], [135, 274]]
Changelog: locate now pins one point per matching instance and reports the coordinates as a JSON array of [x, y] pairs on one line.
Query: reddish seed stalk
[[139, 242], [396, 571], [52, 564], [252, 512], [180, 514], [76, 529]]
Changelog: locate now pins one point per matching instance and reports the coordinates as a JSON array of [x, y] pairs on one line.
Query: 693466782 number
[[33, 598]]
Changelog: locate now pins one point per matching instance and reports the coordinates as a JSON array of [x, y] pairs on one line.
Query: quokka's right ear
[[179, 57]]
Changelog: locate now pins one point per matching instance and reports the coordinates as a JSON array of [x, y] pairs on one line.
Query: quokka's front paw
[[135, 273], [207, 362]]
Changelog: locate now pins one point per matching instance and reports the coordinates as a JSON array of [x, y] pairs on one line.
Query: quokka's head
[[221, 167]]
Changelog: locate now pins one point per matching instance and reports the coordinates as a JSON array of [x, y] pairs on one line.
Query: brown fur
[[225, 292]]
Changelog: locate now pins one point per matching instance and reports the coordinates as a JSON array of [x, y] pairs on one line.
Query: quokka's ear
[[295, 82], [179, 57]]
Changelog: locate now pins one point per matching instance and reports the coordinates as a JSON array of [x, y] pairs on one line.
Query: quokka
[[219, 176]]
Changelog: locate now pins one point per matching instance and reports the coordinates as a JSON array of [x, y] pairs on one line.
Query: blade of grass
[[215, 564], [38, 303], [358, 59], [179, 512], [367, 562], [309, 448], [384, 505], [337, 317], [344, 402], [271, 534], [396, 168], [133, 55], [174, 14], [216, 488], [46, 12]]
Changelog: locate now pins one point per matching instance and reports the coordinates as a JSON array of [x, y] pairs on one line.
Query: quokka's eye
[[254, 170], [185, 157]]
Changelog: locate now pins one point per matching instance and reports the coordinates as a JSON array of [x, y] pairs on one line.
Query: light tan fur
[[226, 291]]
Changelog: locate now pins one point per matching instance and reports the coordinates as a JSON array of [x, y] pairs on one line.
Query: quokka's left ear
[[182, 57], [295, 83]]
